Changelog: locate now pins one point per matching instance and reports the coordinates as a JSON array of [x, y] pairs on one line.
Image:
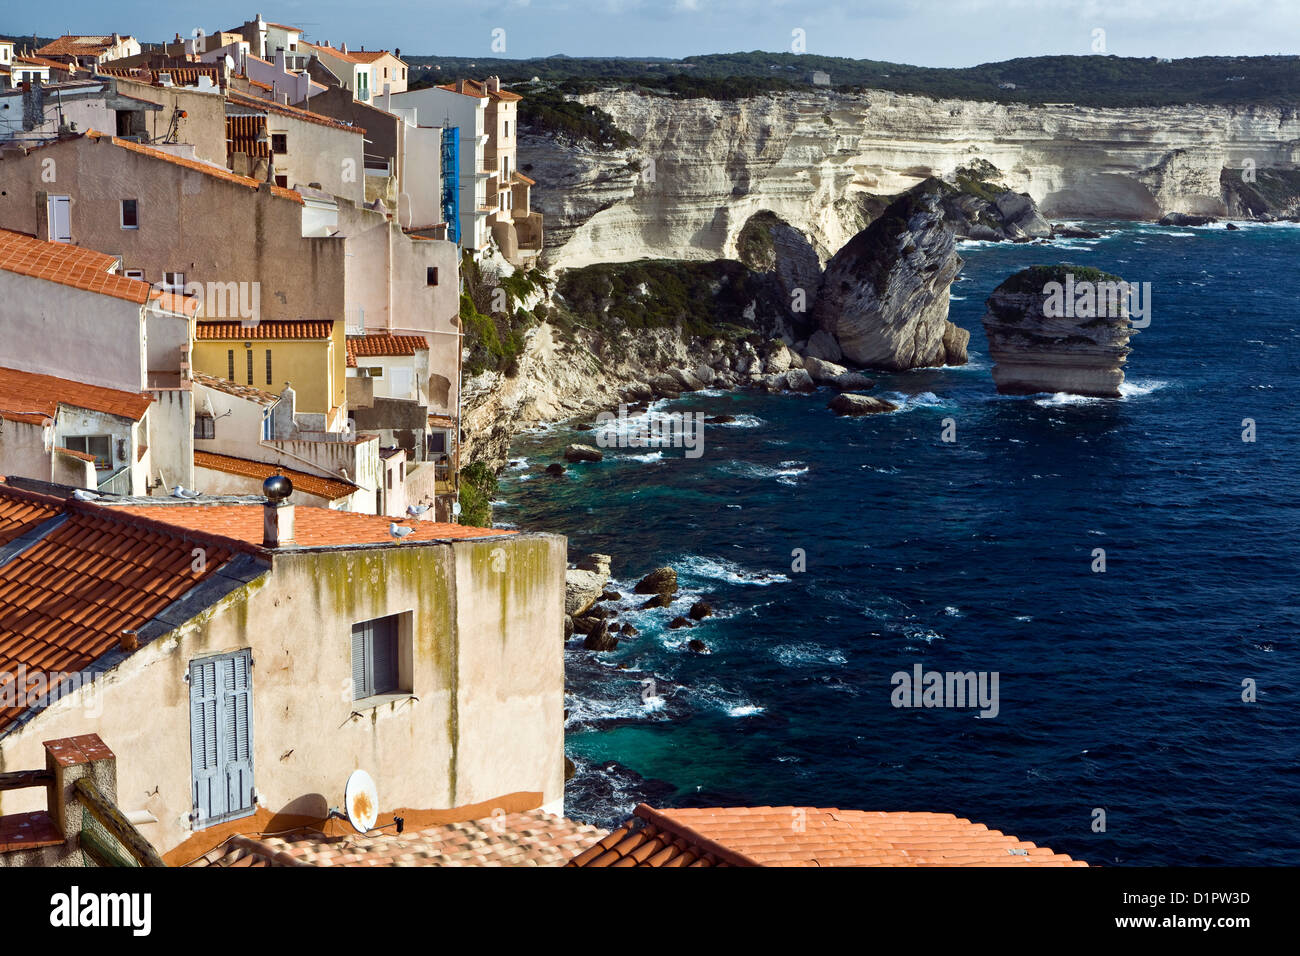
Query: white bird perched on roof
[[416, 510], [181, 492], [81, 494], [398, 531]]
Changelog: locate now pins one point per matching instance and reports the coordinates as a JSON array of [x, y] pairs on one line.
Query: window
[[230, 365], [282, 181], [375, 650], [437, 442], [249, 354], [388, 478], [134, 274], [403, 72], [174, 281], [130, 214], [375, 371], [431, 275], [60, 218], [268, 366], [279, 142], [507, 132], [100, 446], [205, 426]]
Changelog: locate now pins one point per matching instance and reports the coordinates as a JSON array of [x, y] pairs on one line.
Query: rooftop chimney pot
[[277, 512]]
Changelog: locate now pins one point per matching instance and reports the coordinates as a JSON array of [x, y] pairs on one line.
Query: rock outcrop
[[850, 404], [884, 296], [583, 453], [1059, 329]]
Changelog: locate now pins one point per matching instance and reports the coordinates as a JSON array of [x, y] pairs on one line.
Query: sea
[[1125, 569]]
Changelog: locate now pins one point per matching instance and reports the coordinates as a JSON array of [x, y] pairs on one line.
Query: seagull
[[416, 510], [81, 494], [182, 492], [398, 531]]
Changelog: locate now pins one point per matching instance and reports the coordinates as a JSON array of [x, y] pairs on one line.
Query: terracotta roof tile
[[313, 527], [532, 838], [809, 836], [77, 45], [253, 102], [248, 392], [383, 344], [370, 56], [66, 599], [41, 61], [69, 265], [329, 488], [193, 164], [236, 331], [21, 511], [180, 75], [480, 90], [30, 393]]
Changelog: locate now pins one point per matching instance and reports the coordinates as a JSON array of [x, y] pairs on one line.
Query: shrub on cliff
[[478, 484]]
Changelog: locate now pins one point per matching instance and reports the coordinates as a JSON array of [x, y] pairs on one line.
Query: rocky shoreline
[[587, 611]]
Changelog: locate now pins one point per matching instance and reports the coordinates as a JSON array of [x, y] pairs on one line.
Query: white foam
[[796, 655], [719, 569], [744, 710]]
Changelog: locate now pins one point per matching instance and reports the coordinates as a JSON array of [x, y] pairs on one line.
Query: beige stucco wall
[[334, 158], [484, 717], [171, 436], [23, 453], [57, 330], [204, 124]]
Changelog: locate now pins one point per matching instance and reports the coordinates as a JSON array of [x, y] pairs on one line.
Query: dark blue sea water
[[1119, 690]]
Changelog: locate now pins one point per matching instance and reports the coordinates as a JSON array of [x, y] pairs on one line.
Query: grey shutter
[[221, 737], [360, 645], [209, 794], [238, 733], [383, 641]]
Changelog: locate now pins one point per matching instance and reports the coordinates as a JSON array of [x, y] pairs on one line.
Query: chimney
[[277, 512], [343, 48], [116, 39], [494, 84]]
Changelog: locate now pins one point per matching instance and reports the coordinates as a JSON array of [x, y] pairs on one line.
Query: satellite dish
[[455, 508], [361, 801]]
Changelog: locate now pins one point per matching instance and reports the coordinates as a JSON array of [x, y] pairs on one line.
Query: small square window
[[100, 446], [130, 214], [282, 181], [279, 142], [205, 426], [376, 649]]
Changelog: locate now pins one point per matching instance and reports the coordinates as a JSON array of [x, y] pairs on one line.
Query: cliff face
[[817, 160], [1059, 329]]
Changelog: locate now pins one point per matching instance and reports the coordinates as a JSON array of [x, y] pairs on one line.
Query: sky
[[923, 32]]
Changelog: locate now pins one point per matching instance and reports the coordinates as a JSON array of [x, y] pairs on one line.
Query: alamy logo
[[1086, 299], [950, 689], [669, 430], [75, 909], [222, 300]]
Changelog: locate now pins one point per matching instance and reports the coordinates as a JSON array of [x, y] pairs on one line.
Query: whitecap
[[795, 655], [1136, 388], [745, 710], [700, 567]]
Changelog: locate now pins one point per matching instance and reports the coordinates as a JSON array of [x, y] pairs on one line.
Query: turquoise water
[[1119, 691]]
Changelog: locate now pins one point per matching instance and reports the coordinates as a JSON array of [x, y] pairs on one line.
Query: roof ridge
[[664, 822], [35, 497]]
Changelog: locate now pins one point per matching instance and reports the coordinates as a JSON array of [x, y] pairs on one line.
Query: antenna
[[361, 801]]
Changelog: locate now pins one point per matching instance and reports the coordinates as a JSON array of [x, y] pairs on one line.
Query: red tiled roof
[[78, 45], [281, 26], [809, 836], [233, 331], [382, 343], [66, 599], [533, 838], [41, 61], [180, 75], [247, 392], [175, 303], [20, 511], [194, 164], [69, 265], [370, 56], [32, 394], [254, 102], [517, 176], [480, 90], [329, 488], [313, 527]]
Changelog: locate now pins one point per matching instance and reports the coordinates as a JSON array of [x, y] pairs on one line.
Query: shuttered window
[[374, 657], [221, 737]]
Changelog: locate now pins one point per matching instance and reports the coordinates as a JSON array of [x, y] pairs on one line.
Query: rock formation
[[1059, 329], [850, 404], [815, 160], [884, 296]]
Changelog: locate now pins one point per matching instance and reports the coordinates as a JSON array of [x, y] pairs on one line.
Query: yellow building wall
[[314, 368]]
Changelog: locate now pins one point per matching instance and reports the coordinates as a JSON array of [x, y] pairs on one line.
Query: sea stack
[[884, 296], [1059, 328]]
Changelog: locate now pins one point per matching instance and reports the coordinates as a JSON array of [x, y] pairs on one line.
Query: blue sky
[[926, 32]]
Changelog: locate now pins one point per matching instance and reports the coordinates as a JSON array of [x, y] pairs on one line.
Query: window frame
[[395, 683], [135, 213], [85, 448]]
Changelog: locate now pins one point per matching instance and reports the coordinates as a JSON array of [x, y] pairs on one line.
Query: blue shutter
[[383, 642], [221, 737], [209, 794], [360, 646]]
